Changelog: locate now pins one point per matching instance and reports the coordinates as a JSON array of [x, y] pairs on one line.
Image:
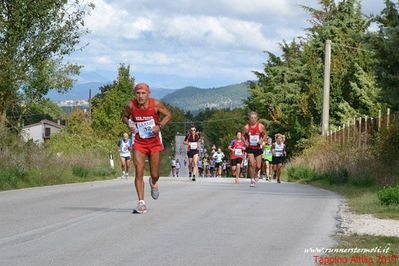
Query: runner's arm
[[126, 116], [167, 116], [245, 135], [185, 141], [264, 135], [230, 146]]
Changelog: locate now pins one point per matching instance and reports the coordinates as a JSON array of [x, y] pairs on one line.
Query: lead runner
[[145, 114]]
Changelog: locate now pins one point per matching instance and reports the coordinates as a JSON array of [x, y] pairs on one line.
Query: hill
[[80, 91], [194, 99]]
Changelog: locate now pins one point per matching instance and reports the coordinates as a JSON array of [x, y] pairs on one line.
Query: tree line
[[364, 70]]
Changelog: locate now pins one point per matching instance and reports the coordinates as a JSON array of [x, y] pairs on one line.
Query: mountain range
[[190, 98], [194, 99], [80, 91]]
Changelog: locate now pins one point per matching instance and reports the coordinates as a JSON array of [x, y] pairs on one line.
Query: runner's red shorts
[[148, 149]]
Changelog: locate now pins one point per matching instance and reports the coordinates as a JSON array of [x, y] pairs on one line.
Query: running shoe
[[278, 180], [141, 208], [154, 189], [252, 183]]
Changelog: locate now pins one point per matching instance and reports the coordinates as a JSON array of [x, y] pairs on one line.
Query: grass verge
[[376, 250], [361, 200]]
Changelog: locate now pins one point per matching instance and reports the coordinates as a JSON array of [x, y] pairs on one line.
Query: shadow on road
[[99, 209]]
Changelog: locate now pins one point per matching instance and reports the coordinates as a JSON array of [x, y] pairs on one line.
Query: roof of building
[[45, 122]]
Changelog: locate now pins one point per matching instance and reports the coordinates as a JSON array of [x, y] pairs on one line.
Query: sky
[[202, 43]]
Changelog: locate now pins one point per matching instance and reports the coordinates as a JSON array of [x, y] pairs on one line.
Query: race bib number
[[125, 148], [238, 152], [193, 145], [253, 140], [267, 152], [145, 129]]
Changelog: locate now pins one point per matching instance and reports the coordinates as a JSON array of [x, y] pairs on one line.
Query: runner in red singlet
[[254, 134], [145, 114], [237, 153]]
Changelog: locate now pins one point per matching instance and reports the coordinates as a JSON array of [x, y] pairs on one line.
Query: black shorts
[[236, 161], [277, 160], [191, 153], [266, 160], [256, 153], [217, 165], [127, 158]]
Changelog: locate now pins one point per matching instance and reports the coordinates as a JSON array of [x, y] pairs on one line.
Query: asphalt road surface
[[208, 222]]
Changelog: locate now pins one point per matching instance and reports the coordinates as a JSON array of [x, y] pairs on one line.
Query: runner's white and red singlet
[[145, 119], [254, 135]]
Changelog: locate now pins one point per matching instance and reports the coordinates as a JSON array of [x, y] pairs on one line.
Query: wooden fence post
[[379, 119], [360, 131], [349, 130], [343, 134], [365, 130]]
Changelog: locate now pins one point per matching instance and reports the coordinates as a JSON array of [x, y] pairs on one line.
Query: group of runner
[[143, 116], [253, 143]]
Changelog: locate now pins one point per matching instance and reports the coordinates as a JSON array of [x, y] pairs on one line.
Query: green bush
[[12, 178], [389, 195], [80, 171], [362, 181], [301, 173], [336, 177], [103, 171]]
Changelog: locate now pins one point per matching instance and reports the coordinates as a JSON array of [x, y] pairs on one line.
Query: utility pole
[[326, 88], [90, 103]]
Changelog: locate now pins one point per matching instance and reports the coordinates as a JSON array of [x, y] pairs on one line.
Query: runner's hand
[[156, 129], [133, 129]]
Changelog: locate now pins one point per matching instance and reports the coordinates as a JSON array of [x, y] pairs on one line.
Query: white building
[[41, 131]]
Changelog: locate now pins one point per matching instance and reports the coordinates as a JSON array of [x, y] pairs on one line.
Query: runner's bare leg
[[139, 160]]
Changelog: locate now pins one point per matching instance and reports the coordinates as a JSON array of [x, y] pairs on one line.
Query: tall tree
[[385, 44], [34, 38], [108, 105], [289, 91]]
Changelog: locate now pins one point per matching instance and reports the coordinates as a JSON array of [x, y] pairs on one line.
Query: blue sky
[[172, 44]]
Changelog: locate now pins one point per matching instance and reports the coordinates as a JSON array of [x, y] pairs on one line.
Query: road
[[208, 222]]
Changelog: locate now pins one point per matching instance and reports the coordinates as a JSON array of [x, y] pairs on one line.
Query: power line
[[202, 122], [352, 47]]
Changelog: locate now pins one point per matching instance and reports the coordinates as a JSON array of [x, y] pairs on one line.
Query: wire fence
[[362, 130]]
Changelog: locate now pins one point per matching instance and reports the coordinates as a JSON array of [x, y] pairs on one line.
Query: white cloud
[[219, 32], [104, 60], [189, 40]]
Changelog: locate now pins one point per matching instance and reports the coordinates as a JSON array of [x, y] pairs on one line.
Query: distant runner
[[145, 113], [267, 159], [177, 169], [173, 166], [218, 156], [124, 147], [254, 134], [237, 154], [278, 150], [191, 140]]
